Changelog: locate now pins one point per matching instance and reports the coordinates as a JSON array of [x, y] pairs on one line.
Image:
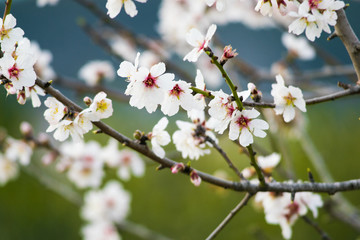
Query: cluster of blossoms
[[85, 166], [280, 209], [152, 87], [13, 153], [312, 16], [67, 122], [22, 62], [103, 209]]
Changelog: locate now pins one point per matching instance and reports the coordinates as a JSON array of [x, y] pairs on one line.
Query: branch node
[[310, 175], [161, 167], [48, 84], [344, 85], [332, 36]]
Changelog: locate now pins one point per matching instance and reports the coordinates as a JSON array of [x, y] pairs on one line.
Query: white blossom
[[280, 209], [159, 137], [101, 107], [190, 139], [8, 170], [198, 41], [20, 71], [96, 71], [86, 169], [149, 87], [114, 7], [100, 230], [55, 112], [299, 47], [179, 95], [18, 150], [286, 98], [42, 3], [9, 34], [112, 203], [125, 161], [243, 123]]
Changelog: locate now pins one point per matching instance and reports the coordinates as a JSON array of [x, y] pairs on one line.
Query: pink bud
[[195, 178], [177, 168], [87, 101], [49, 158], [10, 88], [21, 98], [26, 128], [228, 53], [43, 138]]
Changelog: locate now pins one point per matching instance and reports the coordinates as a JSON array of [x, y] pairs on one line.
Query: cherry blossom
[[190, 139], [198, 41], [280, 209], [298, 47], [125, 161], [42, 3], [159, 137], [100, 230], [114, 7], [286, 98], [101, 107], [243, 123], [96, 71], [222, 108], [86, 169], [18, 150], [20, 71], [9, 34], [55, 112], [179, 95], [8, 170], [149, 87], [112, 203]]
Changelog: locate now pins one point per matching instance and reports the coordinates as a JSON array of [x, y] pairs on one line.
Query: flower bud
[[43, 138], [195, 178], [227, 54], [87, 101], [26, 129], [255, 93], [177, 168], [21, 98]]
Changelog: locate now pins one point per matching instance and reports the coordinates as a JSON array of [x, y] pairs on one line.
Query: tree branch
[[345, 32], [233, 212], [330, 188], [225, 156]]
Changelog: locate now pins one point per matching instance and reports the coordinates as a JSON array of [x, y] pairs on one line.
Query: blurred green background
[[170, 204]]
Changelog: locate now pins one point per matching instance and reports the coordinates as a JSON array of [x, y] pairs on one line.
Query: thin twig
[[256, 166], [330, 97], [140, 40], [233, 212], [225, 156], [322, 233]]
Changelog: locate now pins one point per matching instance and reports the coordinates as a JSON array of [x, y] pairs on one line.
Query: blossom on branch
[[149, 87], [159, 137], [243, 123], [114, 7], [198, 41], [280, 209], [286, 98], [9, 34], [315, 16]]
